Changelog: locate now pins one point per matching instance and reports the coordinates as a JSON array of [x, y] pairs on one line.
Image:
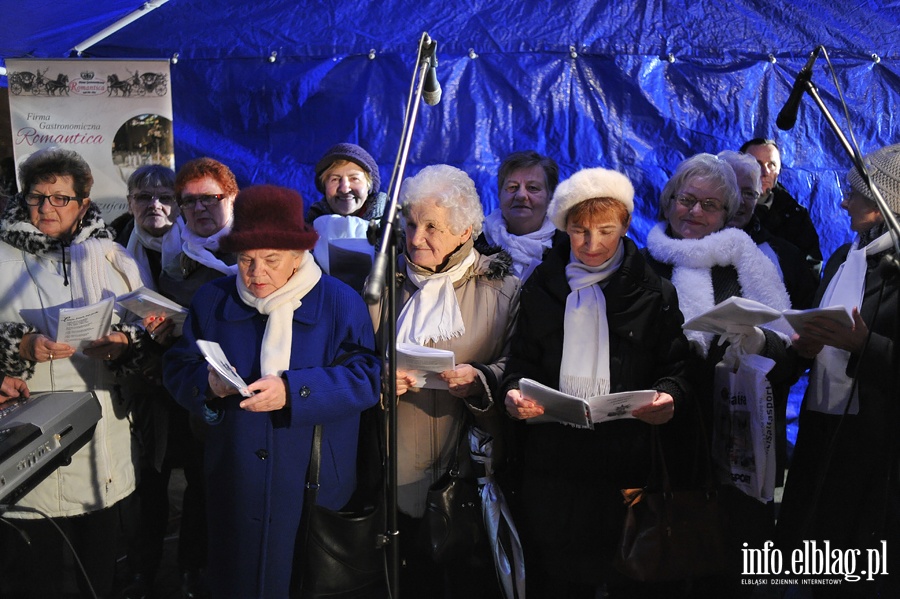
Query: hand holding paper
[[748, 339]]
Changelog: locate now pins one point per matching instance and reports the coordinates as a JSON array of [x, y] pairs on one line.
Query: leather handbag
[[671, 534], [453, 525], [339, 553]]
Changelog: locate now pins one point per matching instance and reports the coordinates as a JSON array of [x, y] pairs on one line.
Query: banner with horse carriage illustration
[[116, 113]]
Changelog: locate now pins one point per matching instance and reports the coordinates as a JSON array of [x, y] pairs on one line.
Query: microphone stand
[[890, 263], [383, 277]]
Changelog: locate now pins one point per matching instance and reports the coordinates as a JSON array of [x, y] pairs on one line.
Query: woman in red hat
[[282, 324]]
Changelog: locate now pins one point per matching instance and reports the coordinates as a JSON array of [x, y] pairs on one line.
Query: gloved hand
[[749, 340]]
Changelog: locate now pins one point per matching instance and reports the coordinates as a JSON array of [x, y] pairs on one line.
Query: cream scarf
[[279, 306], [90, 270], [201, 249], [168, 245], [829, 385], [584, 371], [692, 261], [526, 250], [432, 313]]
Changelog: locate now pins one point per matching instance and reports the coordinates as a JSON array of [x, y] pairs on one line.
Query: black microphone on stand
[[431, 89], [788, 115]]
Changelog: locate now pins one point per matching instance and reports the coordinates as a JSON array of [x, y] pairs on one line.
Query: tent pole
[[133, 16]]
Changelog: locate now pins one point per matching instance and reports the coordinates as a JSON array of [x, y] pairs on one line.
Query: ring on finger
[[51, 355]]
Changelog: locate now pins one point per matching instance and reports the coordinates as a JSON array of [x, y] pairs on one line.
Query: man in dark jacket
[[777, 210]]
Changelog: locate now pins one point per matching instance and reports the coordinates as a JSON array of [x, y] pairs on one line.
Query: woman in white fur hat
[[843, 482], [593, 318]]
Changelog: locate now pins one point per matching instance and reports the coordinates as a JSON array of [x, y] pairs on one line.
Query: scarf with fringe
[[584, 371]]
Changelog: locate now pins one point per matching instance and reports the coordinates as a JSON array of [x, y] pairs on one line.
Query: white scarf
[[90, 271], [201, 249], [279, 306], [526, 250], [432, 313], [584, 371], [168, 245], [335, 226], [829, 385], [692, 261]]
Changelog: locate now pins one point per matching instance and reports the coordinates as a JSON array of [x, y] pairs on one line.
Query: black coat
[[859, 499], [572, 506]]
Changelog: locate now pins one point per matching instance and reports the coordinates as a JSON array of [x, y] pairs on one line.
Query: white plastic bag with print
[[743, 444]]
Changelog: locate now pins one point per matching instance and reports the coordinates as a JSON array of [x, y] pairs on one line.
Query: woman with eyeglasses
[[153, 235], [56, 253], [709, 262], [204, 191]]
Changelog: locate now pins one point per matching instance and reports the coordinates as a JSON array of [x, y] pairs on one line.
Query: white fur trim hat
[[587, 184]]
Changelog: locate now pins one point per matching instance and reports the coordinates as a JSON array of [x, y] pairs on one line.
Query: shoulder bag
[[339, 553], [672, 534]]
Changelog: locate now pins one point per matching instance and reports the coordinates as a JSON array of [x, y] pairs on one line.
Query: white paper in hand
[[733, 311], [213, 353]]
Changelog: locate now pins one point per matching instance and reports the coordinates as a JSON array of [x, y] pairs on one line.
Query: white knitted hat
[[884, 168], [587, 184]]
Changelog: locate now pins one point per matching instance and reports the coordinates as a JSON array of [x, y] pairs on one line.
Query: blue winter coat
[[256, 462]]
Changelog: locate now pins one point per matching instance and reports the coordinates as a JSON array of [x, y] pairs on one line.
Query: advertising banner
[[117, 114]]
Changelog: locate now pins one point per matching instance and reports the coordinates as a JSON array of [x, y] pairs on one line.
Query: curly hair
[[45, 165], [450, 188]]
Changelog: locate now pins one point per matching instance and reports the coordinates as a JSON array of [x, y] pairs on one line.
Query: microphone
[[431, 90], [788, 115]]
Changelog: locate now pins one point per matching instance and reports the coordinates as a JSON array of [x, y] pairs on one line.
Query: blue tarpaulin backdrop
[[634, 86]]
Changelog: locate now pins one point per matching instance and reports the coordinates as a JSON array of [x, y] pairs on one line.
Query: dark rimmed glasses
[[205, 199], [706, 204], [56, 200]]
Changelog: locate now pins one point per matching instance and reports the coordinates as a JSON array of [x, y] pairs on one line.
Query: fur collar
[[16, 229], [692, 261]]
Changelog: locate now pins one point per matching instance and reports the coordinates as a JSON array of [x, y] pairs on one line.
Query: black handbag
[[671, 534], [453, 525], [339, 553]]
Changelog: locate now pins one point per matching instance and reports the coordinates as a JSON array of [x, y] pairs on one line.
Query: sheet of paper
[[734, 310], [146, 302], [581, 413], [618, 405], [558, 406], [78, 327], [840, 314], [213, 353], [425, 363]]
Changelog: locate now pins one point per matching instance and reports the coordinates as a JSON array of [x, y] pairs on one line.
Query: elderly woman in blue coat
[[304, 342]]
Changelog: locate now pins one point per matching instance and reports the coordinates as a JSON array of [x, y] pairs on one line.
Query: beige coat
[[429, 420]]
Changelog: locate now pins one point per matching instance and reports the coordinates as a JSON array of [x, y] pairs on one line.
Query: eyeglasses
[[57, 200], [147, 198], [206, 199], [751, 195], [707, 205]]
